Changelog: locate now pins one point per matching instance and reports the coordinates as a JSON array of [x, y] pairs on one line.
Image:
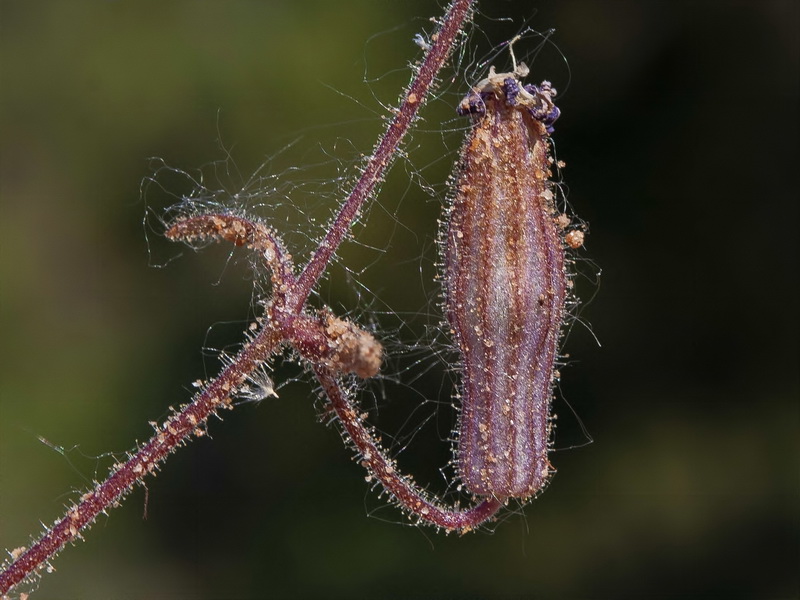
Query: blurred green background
[[680, 135]]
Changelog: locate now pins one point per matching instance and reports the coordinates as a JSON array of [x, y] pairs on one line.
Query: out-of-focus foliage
[[679, 131]]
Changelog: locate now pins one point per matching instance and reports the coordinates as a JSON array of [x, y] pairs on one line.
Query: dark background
[[680, 135]]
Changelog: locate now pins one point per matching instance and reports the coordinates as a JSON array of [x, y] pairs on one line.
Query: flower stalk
[[285, 321]]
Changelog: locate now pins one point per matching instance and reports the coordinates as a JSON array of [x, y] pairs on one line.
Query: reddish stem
[[179, 428], [407, 494], [415, 96], [175, 431], [240, 231]]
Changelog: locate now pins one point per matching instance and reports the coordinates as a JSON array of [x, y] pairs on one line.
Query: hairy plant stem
[[381, 467], [175, 431], [415, 96], [289, 300]]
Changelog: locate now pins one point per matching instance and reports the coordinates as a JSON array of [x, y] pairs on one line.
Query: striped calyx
[[505, 286]]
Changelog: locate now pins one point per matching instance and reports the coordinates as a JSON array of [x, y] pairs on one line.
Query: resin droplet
[[506, 286]]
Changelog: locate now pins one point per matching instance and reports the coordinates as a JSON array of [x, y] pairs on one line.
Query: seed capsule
[[505, 286]]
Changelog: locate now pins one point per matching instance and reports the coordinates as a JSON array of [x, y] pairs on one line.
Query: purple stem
[[416, 94], [179, 428], [408, 495], [175, 431]]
